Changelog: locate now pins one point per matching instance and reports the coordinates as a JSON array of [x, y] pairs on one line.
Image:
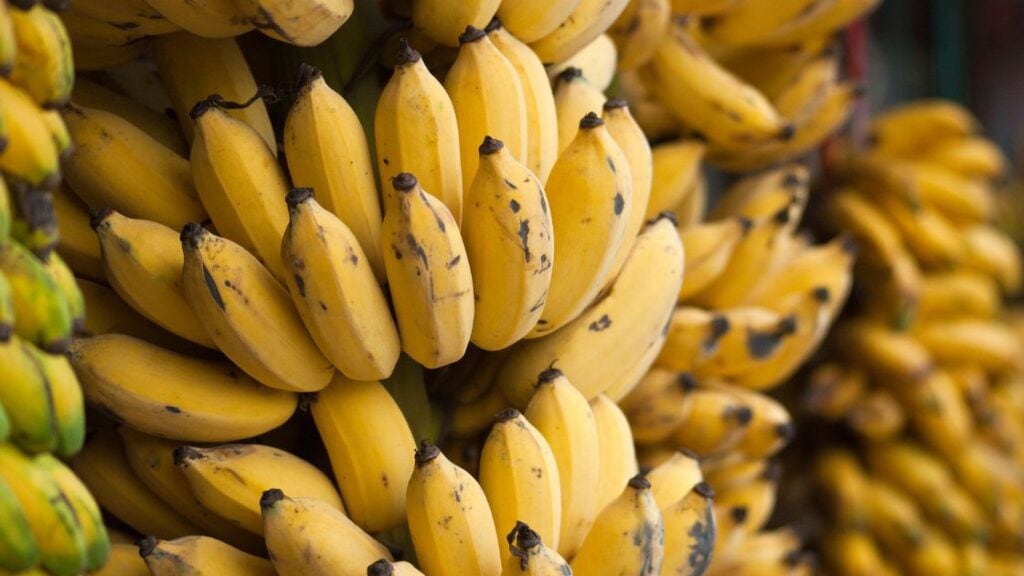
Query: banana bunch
[[924, 377]]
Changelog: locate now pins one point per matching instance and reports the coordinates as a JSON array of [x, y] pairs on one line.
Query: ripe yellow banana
[[628, 536], [43, 316], [217, 402], [443, 21], [749, 23], [639, 30], [770, 428], [991, 251], [827, 267], [734, 470], [18, 548], [117, 165], [26, 398], [29, 153], [672, 480], [249, 315], [938, 412], [451, 524], [78, 245], [520, 478], [164, 129], [8, 43], [764, 194], [690, 532], [821, 18], [575, 97], [200, 555], [674, 177], [716, 422], [335, 291], [987, 343], [962, 200], [850, 552], [228, 479], [90, 56], [87, 512], [970, 157], [750, 505], [143, 262], [656, 416], [369, 442], [108, 313], [882, 351], [510, 246], [43, 65], [588, 20], [590, 350], [529, 556], [958, 293], [303, 23], [708, 248], [633, 142], [852, 212], [531, 20], [428, 275], [489, 100], [617, 452], [597, 60], [844, 487], [133, 15], [805, 91], [205, 18], [327, 150], [903, 130]]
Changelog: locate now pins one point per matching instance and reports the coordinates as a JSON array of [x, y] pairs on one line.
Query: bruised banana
[[200, 555], [628, 536], [65, 394], [690, 532], [302, 23], [26, 398]]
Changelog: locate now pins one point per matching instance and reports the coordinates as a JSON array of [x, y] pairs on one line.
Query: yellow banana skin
[[78, 245], [590, 195], [68, 404], [228, 480], [633, 142], [43, 317], [716, 421], [29, 153], [510, 245], [204, 18], [903, 129], [58, 534], [115, 164], [108, 313], [443, 21], [383, 567], [674, 177], [98, 97], [26, 398], [451, 524], [18, 548], [690, 532], [488, 99], [43, 63], [200, 555], [575, 97], [334, 289], [674, 479], [530, 20], [124, 560], [588, 20], [653, 268], [428, 275], [639, 30], [369, 442], [8, 43], [327, 151], [240, 183], [142, 260], [529, 556], [628, 536], [249, 315], [519, 476], [64, 277], [708, 248], [87, 512], [617, 452], [134, 15], [305, 23], [416, 131]]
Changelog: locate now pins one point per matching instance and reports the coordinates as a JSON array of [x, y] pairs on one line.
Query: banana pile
[[925, 473]]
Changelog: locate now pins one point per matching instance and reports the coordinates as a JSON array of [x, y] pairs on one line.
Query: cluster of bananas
[[925, 377]]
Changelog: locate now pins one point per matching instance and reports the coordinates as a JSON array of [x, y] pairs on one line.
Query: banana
[[333, 286], [764, 194], [43, 316], [205, 18], [690, 532], [770, 429], [26, 398], [434, 304], [77, 245], [383, 567], [33, 224], [638, 31], [938, 412], [249, 315], [694, 334], [5, 425], [444, 21], [152, 461], [510, 247], [633, 142], [826, 267], [590, 350], [992, 252], [590, 195], [228, 479], [124, 560], [109, 314], [66, 397], [987, 343], [59, 133], [182, 398], [143, 261], [845, 488], [876, 416], [850, 211], [588, 20], [653, 418], [306, 23], [193, 68], [852, 552], [971, 157], [64, 277], [960, 199], [716, 421], [451, 524], [674, 479], [520, 478], [115, 164], [906, 129], [734, 470], [18, 547], [96, 96], [575, 97], [200, 555], [369, 442], [133, 15], [958, 293], [84, 29], [529, 556], [327, 150], [51, 516], [615, 444], [749, 505], [821, 18], [87, 512], [489, 100], [530, 20], [541, 117], [28, 153], [8, 43], [749, 23], [90, 57], [628, 536], [884, 352], [805, 91], [43, 65], [674, 176], [416, 131]]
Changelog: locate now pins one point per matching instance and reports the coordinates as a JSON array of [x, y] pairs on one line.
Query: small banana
[[597, 60], [8, 43], [64, 277], [882, 351], [716, 422], [451, 524], [33, 223], [43, 316], [749, 23], [628, 536], [639, 30], [615, 445], [575, 97], [444, 20], [43, 65], [655, 417], [133, 15], [369, 442], [249, 315], [756, 500], [987, 343], [29, 153], [530, 20], [529, 556], [96, 96], [77, 245], [205, 18], [18, 548], [821, 18], [844, 486], [690, 532], [65, 394], [200, 555], [228, 479], [587, 21], [102, 56], [877, 416], [674, 176], [849, 551], [87, 512], [108, 313], [826, 267], [734, 470], [970, 157], [903, 130], [708, 247], [633, 142], [26, 398], [674, 479], [304, 23], [992, 252]]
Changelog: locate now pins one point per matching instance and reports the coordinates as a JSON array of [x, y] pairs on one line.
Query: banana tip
[[147, 545], [490, 146], [380, 568], [307, 75], [506, 415], [426, 453], [271, 497], [182, 454], [704, 490], [472, 34], [494, 24], [97, 217], [591, 121], [191, 233], [616, 104], [403, 182], [548, 375], [406, 54], [297, 196], [639, 482]]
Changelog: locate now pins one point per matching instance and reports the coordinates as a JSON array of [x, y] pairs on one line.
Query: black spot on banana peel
[[524, 237], [687, 383], [620, 202], [211, 287], [403, 182], [600, 324], [738, 514], [506, 415]]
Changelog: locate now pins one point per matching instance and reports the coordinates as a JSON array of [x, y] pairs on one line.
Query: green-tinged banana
[[115, 164], [196, 555], [58, 534], [59, 132], [77, 245], [43, 65], [633, 142], [489, 100], [8, 43], [991, 251], [42, 315], [588, 20], [672, 480], [531, 20], [590, 350], [617, 452], [988, 343], [575, 97], [65, 394], [193, 68], [541, 117], [369, 442], [152, 461], [590, 195], [33, 224], [303, 23], [182, 398], [143, 261], [443, 21], [108, 313], [639, 30], [87, 512], [5, 425], [205, 18], [28, 153], [228, 479], [249, 315], [882, 351], [597, 60], [690, 532], [564, 418], [124, 560], [674, 177], [716, 421], [6, 206], [876, 416], [240, 183], [383, 567], [327, 151], [970, 157], [18, 548], [333, 286], [628, 536], [64, 277], [908, 128], [821, 18], [520, 478], [98, 97], [510, 246], [529, 556], [450, 521], [708, 247]]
